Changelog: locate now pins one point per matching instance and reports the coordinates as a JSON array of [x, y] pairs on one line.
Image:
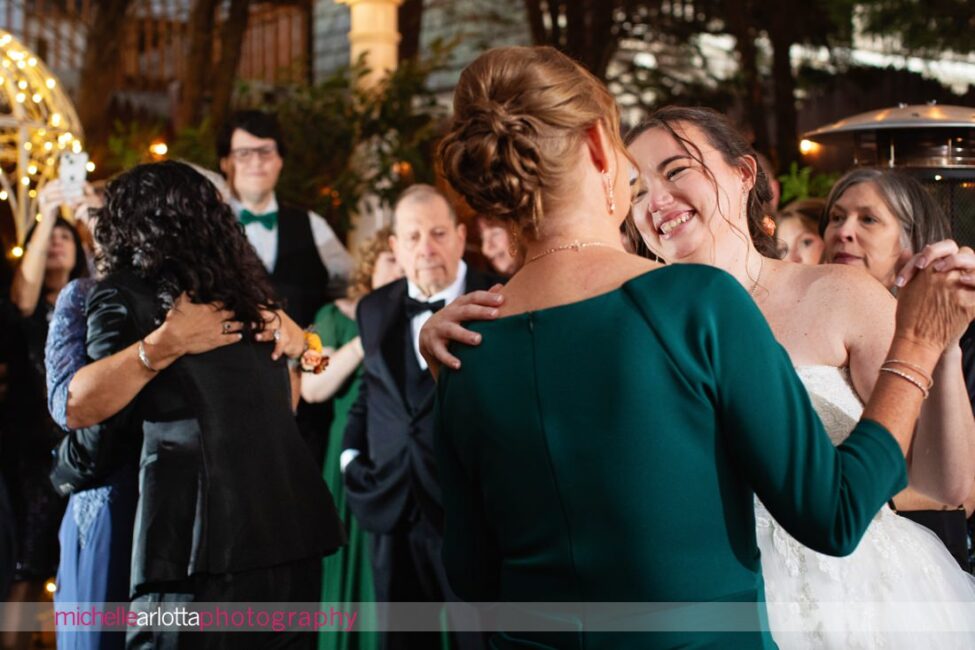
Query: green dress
[[610, 450], [346, 575]]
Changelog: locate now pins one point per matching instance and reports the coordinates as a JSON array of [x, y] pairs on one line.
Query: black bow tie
[[417, 307]]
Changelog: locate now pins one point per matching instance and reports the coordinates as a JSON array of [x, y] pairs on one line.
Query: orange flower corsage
[[312, 359]]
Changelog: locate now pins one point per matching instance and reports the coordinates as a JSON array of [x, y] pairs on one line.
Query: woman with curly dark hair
[[232, 506]]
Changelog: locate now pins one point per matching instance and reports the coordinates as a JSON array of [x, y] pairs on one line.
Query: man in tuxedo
[[388, 458]]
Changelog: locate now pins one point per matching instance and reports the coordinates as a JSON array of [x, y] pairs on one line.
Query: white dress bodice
[[900, 572]]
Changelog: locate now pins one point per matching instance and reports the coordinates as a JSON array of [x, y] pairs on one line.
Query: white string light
[[39, 121]]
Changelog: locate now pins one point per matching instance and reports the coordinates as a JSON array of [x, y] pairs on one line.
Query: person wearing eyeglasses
[[308, 265]]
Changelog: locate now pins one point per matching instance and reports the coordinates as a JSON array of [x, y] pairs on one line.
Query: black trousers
[[407, 567], [293, 582]]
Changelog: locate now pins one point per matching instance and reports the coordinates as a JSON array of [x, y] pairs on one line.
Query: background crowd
[[168, 308]]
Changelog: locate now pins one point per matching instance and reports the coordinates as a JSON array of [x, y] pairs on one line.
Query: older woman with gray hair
[[877, 219]]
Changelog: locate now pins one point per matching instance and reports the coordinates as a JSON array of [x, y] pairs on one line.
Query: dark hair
[[80, 268], [258, 123], [723, 136], [921, 219], [166, 223]]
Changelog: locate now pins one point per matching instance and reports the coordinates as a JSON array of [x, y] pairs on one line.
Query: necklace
[[758, 277], [574, 246]]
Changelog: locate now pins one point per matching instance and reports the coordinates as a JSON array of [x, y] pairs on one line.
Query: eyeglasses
[[244, 154]]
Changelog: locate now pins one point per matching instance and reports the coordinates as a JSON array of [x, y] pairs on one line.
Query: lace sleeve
[[64, 352]]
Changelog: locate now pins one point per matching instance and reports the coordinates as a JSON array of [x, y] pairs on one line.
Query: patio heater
[[933, 143]]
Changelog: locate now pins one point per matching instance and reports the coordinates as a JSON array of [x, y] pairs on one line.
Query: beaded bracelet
[[907, 377]]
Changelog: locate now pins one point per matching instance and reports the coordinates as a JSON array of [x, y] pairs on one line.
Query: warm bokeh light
[[38, 113], [807, 147], [90, 166], [17, 252], [158, 149], [50, 586]]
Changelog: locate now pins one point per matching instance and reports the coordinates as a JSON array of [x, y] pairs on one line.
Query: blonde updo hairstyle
[[520, 114]]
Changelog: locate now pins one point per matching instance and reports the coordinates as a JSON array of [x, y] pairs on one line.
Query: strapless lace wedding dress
[[899, 589]]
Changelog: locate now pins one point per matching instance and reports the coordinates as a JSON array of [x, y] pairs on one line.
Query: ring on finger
[[226, 328], [276, 335]]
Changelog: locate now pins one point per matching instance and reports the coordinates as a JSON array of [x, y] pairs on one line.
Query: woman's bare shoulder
[[846, 280], [846, 293]]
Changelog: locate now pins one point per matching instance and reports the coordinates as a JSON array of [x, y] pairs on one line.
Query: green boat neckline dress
[[609, 450]]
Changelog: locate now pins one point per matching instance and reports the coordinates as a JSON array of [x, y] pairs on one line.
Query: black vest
[[418, 385], [299, 277]]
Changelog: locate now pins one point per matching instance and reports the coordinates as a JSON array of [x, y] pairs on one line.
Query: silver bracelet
[[913, 366], [907, 377], [144, 358]]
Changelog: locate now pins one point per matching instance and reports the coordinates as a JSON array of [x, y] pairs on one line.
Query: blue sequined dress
[[96, 532]]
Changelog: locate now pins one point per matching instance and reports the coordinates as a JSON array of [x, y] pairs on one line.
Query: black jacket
[[396, 471], [226, 483]]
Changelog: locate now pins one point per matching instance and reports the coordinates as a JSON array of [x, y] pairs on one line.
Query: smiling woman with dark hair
[[231, 505]]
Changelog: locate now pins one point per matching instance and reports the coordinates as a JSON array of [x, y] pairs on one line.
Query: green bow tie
[[269, 219]]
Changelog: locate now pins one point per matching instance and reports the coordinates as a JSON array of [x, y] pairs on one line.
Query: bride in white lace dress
[[899, 589]]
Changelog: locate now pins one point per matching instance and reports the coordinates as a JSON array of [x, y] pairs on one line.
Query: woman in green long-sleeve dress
[[347, 575], [606, 440]]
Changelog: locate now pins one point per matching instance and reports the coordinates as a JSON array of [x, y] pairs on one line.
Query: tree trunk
[[786, 115], [410, 26], [100, 72], [587, 35], [737, 12], [231, 40], [198, 62]]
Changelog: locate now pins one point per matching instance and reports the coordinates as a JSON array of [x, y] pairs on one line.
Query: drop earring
[[610, 199]]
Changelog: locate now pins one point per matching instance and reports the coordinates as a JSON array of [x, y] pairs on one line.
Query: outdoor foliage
[[342, 141], [923, 26], [803, 183]]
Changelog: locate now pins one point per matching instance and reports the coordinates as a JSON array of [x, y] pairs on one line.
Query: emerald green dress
[[346, 575], [610, 450]]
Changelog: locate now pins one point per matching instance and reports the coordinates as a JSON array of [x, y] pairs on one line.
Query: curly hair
[[361, 281], [165, 223]]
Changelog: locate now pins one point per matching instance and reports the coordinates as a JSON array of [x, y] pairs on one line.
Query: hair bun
[[493, 160], [520, 117]]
